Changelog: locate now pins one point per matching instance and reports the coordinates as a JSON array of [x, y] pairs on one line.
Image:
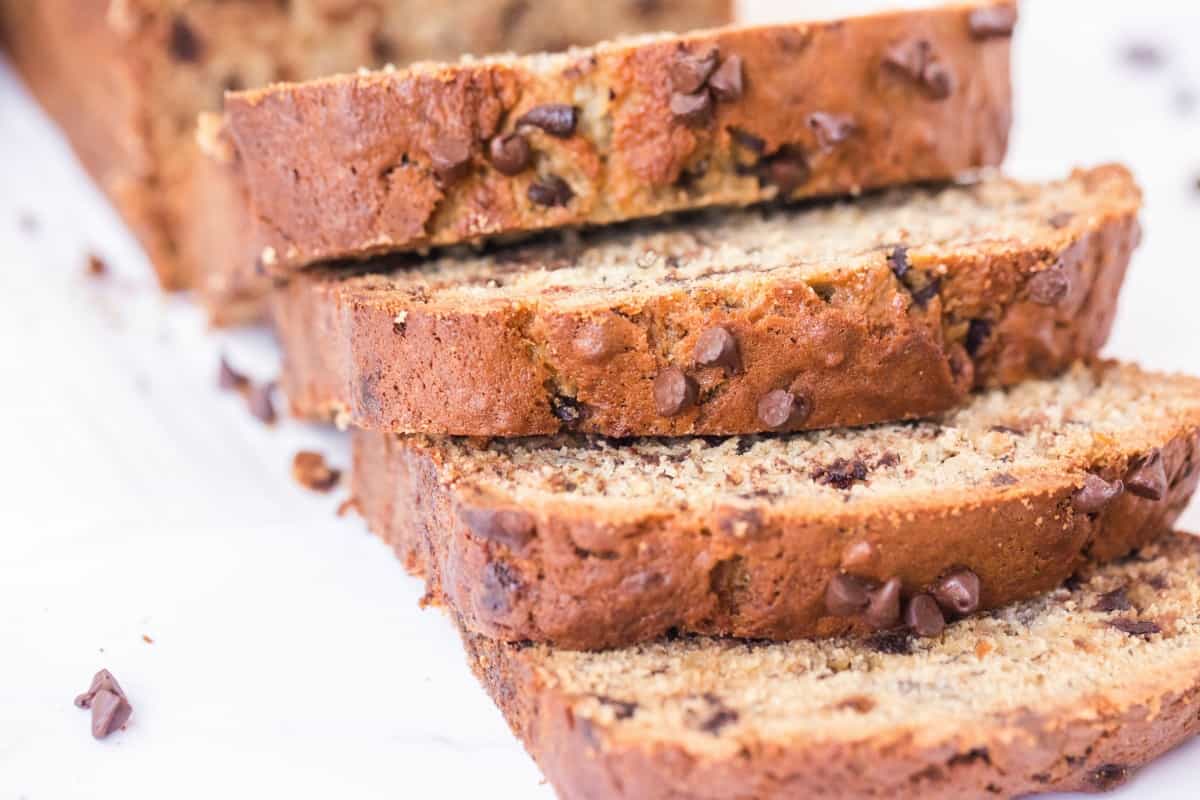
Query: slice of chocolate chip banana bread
[[126, 78], [1069, 692], [439, 154], [591, 543], [839, 314]]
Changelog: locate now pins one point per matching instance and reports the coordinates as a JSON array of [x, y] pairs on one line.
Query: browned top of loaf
[[399, 160]]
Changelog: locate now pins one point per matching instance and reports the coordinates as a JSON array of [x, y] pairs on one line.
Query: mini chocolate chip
[[1116, 600], [556, 119], [898, 261], [859, 555], [689, 73], [1049, 286], [841, 474], [997, 21], [726, 83], [846, 595], [1060, 219], [978, 331], [550, 191], [450, 157], [779, 408], [694, 109], [500, 587], [924, 616], [182, 42], [1148, 477], [259, 401], [831, 129], [310, 471], [717, 347], [1095, 494], [958, 592], [883, 612], [511, 527], [110, 707], [510, 153], [567, 410], [1108, 776], [1135, 627], [674, 392], [230, 379]]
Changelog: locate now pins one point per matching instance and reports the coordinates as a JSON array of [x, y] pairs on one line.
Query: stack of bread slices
[[745, 419]]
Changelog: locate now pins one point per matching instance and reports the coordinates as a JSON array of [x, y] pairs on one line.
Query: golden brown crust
[[126, 79], [1091, 742], [874, 355], [357, 165], [592, 580]]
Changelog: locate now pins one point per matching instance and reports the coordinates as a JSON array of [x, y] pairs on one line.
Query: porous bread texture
[[591, 543], [127, 78], [1070, 691], [889, 307], [354, 166]]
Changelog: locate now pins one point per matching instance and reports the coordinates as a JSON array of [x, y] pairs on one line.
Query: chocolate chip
[[230, 379], [510, 527], [182, 42], [915, 61], [1049, 287], [110, 707], [690, 72], [717, 347], [510, 153], [726, 83], [694, 109], [550, 191], [994, 22], [923, 295], [556, 119], [567, 410], [1095, 494], [450, 157], [788, 170], [1108, 776], [719, 719], [1148, 477], [1060, 219], [1135, 627], [883, 612], [978, 331], [924, 617], [594, 342], [500, 587], [958, 592], [310, 471], [858, 555], [846, 595], [259, 401], [894, 643], [96, 266], [841, 474], [383, 49], [747, 140], [779, 408], [1116, 600], [674, 392], [898, 261], [831, 129]]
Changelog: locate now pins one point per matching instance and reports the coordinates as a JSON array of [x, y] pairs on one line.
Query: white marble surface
[[289, 657]]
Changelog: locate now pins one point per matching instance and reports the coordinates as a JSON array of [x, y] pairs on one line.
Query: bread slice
[[127, 79], [438, 154], [888, 308], [591, 543], [1071, 691]]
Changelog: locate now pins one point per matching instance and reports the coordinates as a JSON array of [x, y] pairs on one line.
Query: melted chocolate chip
[[831, 129], [788, 170], [1095, 494], [510, 153], [898, 261], [108, 703], [310, 471], [883, 611], [841, 474], [595, 343], [927, 292], [1116, 600], [717, 347], [1108, 776], [556, 119], [690, 72], [694, 109], [182, 42], [674, 392], [846, 595], [1135, 627], [727, 82], [450, 157], [1148, 477], [779, 408], [567, 410], [924, 616], [994, 22], [510, 527], [894, 642], [747, 140], [978, 331], [500, 587], [958, 592], [550, 191], [1049, 287]]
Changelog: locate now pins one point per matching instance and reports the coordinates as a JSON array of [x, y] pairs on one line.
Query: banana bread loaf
[[438, 154], [591, 543], [1069, 692], [840, 314], [126, 78]]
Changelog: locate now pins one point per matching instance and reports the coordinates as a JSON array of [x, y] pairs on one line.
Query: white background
[[289, 657]]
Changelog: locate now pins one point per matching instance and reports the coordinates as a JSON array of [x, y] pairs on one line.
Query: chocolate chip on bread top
[[438, 154]]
